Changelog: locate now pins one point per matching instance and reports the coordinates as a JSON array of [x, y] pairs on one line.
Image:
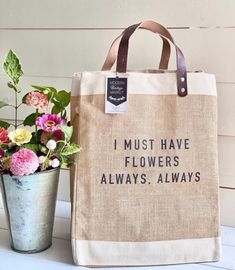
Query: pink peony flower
[[37, 100], [4, 136], [49, 122], [24, 162]]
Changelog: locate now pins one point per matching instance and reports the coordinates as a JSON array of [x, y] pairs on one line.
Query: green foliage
[[63, 98], [33, 147], [70, 149], [64, 114], [31, 119], [68, 132], [65, 161], [15, 87], [3, 104], [43, 149], [40, 88], [24, 98], [56, 109], [67, 149], [59, 99], [13, 68], [47, 90], [4, 124], [4, 146]]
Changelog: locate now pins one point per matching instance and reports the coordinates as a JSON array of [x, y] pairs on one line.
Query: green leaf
[[63, 97], [65, 161], [34, 147], [13, 86], [47, 90], [4, 124], [56, 109], [64, 114], [13, 67], [57, 103], [3, 104], [36, 139], [30, 120], [24, 98], [44, 88], [68, 132], [4, 146], [39, 88], [70, 150], [43, 149]]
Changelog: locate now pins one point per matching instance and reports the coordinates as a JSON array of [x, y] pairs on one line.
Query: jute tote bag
[[145, 185]]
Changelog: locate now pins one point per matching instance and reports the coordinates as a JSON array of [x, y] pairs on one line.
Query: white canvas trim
[[94, 83], [109, 253]]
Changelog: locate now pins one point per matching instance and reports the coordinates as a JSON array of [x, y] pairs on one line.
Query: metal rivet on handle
[[182, 79], [182, 90]]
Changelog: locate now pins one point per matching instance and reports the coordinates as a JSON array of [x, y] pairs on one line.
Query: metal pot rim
[[46, 171]]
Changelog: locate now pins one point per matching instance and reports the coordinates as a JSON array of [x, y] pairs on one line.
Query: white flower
[[51, 144], [54, 163], [41, 159]]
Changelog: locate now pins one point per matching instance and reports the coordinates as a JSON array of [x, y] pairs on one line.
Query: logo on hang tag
[[116, 98]]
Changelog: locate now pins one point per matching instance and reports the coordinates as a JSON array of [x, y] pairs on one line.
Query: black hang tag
[[116, 95]]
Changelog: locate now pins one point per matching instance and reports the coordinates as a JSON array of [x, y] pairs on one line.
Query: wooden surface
[[56, 38], [59, 256]]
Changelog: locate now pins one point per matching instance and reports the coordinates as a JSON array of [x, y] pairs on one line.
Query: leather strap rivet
[[181, 72]]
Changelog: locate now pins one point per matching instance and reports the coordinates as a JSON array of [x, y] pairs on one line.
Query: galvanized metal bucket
[[29, 203]]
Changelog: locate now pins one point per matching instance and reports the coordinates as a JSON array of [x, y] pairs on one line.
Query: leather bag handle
[[162, 31], [113, 51]]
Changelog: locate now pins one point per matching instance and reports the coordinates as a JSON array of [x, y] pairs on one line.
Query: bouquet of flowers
[[42, 141]]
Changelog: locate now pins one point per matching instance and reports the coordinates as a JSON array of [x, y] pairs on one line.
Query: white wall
[[55, 38]]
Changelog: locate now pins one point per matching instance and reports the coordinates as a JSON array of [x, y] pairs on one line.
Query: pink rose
[[4, 136]]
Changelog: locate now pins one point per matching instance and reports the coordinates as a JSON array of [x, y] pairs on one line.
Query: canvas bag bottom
[[110, 253]]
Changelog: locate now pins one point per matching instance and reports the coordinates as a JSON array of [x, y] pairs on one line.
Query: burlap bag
[[145, 185]]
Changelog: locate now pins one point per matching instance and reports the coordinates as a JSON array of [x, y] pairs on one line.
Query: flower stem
[[46, 162], [20, 124], [36, 127], [10, 105], [16, 108]]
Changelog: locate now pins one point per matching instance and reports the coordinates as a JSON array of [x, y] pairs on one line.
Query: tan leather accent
[[162, 31], [112, 54]]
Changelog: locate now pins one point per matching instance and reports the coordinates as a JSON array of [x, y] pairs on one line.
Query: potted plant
[[31, 155]]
